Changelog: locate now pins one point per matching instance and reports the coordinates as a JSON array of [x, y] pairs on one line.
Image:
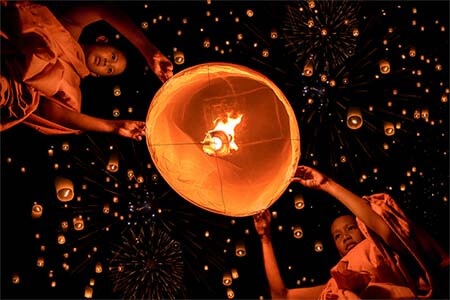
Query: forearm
[[72, 119], [277, 288]]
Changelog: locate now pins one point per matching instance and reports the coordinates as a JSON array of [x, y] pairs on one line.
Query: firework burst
[[147, 264], [323, 34]]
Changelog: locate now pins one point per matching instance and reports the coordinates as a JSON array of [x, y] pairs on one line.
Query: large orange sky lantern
[[224, 137]]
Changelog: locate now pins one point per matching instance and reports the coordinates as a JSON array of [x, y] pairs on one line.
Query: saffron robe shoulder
[[373, 270], [43, 62]]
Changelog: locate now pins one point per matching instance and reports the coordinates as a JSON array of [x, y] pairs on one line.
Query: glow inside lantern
[[224, 137]]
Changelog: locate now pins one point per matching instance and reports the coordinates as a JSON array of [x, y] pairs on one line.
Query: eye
[[113, 57], [351, 227], [337, 236]]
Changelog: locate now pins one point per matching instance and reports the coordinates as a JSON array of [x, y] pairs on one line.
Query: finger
[[302, 181], [140, 125]]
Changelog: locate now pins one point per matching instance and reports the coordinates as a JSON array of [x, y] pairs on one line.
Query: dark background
[[324, 140]]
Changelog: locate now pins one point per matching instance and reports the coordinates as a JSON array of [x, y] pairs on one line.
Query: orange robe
[[41, 61], [371, 270]]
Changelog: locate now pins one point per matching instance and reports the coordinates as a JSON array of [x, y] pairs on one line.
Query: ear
[[102, 39]]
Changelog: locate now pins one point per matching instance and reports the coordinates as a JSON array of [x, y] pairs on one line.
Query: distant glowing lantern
[[273, 34], [64, 189], [417, 114], [385, 67], [206, 43], [323, 78], [412, 52], [424, 113], [64, 225], [226, 279], [98, 267], [78, 223], [178, 57], [234, 273], [230, 293], [318, 246], [297, 231], [310, 23], [88, 292], [355, 32], [36, 211], [61, 239], [65, 146], [324, 31], [116, 113], [213, 131], [250, 13], [354, 118], [106, 208], [308, 69], [311, 4], [389, 128], [299, 202], [113, 163], [116, 91], [40, 262], [444, 98], [15, 278], [240, 249]]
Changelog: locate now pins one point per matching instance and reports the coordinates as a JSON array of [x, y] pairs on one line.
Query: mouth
[[350, 246]]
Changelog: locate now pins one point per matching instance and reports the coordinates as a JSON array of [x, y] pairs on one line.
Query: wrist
[[328, 185], [112, 126], [265, 238]]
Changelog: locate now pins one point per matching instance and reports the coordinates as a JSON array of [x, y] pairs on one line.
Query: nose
[[347, 237]]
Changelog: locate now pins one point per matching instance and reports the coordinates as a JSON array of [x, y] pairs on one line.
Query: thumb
[[124, 132]]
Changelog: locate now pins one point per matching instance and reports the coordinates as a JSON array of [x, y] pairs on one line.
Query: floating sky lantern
[[224, 137]]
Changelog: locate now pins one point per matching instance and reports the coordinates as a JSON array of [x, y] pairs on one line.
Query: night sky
[[185, 249]]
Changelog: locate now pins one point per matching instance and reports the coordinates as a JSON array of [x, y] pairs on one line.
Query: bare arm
[[83, 15], [358, 206], [278, 289], [79, 121]]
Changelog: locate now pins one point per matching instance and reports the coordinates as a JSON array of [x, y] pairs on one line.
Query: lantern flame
[[220, 140]]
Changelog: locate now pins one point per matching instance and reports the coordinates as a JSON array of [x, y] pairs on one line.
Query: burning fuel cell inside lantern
[[220, 141]]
